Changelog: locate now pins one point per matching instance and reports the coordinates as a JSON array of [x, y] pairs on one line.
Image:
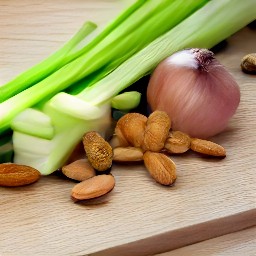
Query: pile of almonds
[[136, 138]]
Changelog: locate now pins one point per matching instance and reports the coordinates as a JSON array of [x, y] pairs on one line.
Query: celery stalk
[[141, 27]]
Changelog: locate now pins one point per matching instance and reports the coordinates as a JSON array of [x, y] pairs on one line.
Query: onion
[[198, 93]]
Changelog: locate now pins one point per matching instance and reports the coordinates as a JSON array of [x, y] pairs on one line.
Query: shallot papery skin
[[199, 96]]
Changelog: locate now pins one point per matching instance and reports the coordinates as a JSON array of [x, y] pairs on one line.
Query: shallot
[[196, 90]]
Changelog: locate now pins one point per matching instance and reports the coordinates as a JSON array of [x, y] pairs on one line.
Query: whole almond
[[127, 154], [79, 170], [156, 131], [207, 147], [177, 142], [94, 187], [130, 129], [14, 175], [98, 151], [160, 167]]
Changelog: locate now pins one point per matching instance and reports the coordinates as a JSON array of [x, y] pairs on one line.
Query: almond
[[177, 142], [13, 175], [207, 147], [130, 129], [127, 154], [160, 167], [79, 170], [98, 151], [94, 187], [156, 131]]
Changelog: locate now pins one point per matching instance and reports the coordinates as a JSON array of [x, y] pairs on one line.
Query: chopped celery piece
[[73, 106], [126, 101], [33, 122], [142, 26]]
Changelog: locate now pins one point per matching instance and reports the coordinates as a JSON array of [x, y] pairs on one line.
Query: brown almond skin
[[160, 167], [127, 154], [130, 129], [98, 151], [94, 187], [14, 175], [156, 131], [79, 170], [207, 147], [177, 142]]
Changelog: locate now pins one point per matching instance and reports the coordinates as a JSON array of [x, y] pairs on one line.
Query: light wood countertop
[[211, 198]]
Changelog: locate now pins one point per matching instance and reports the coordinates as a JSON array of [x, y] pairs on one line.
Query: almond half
[[94, 187], [127, 154], [79, 170]]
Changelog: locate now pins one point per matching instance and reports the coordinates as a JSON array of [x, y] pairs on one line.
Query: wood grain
[[235, 244], [139, 217]]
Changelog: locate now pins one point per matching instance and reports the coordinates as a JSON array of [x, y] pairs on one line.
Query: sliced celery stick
[[126, 101]]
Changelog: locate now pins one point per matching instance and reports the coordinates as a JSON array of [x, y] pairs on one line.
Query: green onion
[[146, 23]]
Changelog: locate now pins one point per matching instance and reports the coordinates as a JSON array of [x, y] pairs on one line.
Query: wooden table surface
[[211, 198]]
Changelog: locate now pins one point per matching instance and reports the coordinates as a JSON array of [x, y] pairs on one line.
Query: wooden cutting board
[[139, 217]]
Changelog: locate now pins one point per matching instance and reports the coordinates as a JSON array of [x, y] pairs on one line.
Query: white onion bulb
[[198, 93]]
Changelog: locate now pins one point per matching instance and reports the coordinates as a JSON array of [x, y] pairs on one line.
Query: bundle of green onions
[[51, 106]]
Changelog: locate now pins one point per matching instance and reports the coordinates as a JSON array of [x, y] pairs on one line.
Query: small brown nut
[[160, 167], [79, 170], [14, 175], [248, 63], [115, 142], [98, 151], [207, 147], [156, 131], [94, 187], [177, 142], [130, 129], [127, 154]]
